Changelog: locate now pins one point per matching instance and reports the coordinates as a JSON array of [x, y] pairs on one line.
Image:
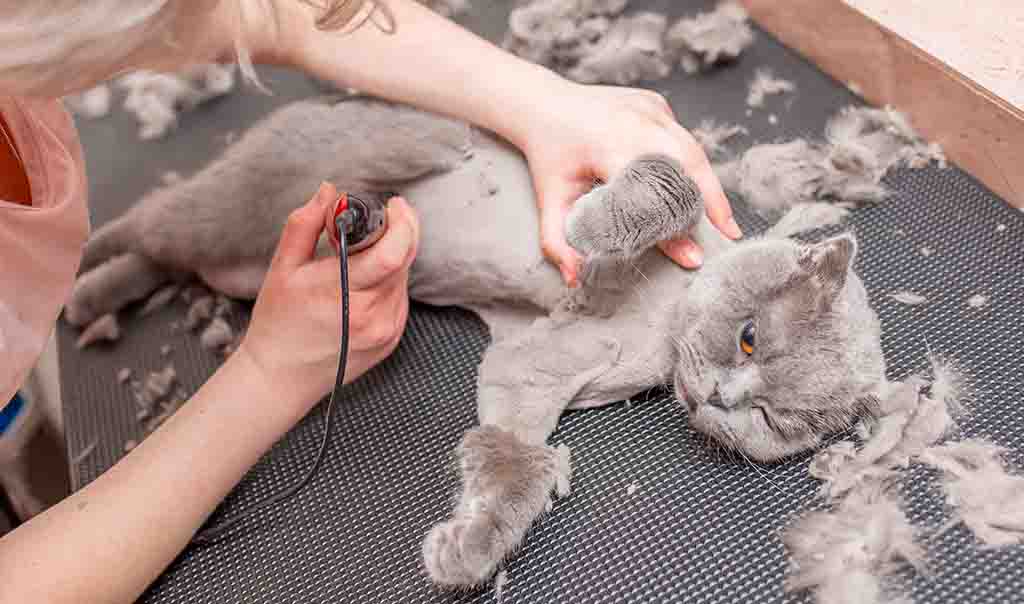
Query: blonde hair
[[52, 47]]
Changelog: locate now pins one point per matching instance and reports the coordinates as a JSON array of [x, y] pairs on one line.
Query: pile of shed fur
[[852, 551], [593, 41]]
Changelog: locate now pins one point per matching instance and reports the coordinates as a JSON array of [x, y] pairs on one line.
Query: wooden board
[[980, 132]]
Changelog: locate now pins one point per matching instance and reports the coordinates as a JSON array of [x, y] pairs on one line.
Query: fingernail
[[732, 230], [323, 194], [693, 253]]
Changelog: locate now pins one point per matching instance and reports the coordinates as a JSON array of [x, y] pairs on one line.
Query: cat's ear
[[828, 262]]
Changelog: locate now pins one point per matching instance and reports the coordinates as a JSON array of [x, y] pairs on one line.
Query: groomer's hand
[[582, 133], [295, 330]]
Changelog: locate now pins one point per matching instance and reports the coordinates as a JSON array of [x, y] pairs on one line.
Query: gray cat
[[771, 346]]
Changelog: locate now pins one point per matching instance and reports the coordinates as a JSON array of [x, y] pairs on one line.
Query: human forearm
[[147, 507], [429, 62]]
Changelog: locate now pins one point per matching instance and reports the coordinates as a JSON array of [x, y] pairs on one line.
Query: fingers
[[392, 254], [555, 196], [684, 251], [716, 204], [298, 241]]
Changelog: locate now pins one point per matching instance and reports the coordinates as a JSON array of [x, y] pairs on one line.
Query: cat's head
[[780, 349]]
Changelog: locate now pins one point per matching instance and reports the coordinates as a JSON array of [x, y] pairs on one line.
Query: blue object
[[10, 412]]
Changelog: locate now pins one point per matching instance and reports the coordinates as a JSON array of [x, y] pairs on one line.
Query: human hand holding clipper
[[310, 347]]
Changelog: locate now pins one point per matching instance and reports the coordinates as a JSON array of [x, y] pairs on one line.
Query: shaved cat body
[[771, 346]]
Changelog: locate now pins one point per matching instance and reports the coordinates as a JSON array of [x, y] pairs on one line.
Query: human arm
[[570, 133], [110, 540]]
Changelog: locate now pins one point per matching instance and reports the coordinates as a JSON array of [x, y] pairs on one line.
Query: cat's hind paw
[[111, 285], [652, 200], [506, 485]]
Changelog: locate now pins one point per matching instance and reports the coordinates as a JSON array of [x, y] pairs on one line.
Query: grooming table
[[655, 515]]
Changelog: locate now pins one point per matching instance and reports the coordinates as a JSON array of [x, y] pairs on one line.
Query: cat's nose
[[715, 399]]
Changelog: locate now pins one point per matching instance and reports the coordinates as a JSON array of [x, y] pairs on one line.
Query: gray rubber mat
[[655, 515]]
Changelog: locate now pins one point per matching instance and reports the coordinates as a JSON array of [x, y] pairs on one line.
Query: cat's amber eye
[[747, 338]]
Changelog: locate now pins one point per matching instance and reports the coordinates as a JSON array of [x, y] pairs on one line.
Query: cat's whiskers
[[761, 472], [753, 465]]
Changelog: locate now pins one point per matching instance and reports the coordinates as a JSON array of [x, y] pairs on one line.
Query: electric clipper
[[361, 218]]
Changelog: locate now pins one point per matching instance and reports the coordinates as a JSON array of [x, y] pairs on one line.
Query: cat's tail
[[112, 239]]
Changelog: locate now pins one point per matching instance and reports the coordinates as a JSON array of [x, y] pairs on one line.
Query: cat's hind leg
[[113, 285]]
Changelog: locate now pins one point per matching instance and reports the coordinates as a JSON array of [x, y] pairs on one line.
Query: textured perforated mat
[[655, 515]]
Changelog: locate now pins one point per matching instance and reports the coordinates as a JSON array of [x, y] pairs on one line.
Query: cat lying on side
[[771, 346]]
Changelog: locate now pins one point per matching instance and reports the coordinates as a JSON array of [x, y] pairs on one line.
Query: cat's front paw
[[651, 201], [506, 485]]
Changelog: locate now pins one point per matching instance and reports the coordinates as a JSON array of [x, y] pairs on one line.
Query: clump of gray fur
[[153, 390], [861, 145], [218, 335], [908, 297], [842, 555], [92, 104], [908, 421], [985, 497], [559, 33], [160, 299], [201, 310], [156, 99], [632, 50], [708, 39], [766, 84], [713, 136]]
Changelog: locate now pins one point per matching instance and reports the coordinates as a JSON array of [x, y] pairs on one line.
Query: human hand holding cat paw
[[591, 132], [294, 334]]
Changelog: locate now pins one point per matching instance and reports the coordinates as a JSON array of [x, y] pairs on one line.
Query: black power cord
[[212, 533]]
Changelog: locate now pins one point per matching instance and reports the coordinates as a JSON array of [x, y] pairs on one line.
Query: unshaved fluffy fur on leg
[[506, 485]]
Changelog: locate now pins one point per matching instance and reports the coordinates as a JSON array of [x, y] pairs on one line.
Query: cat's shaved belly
[[480, 240], [241, 282]]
